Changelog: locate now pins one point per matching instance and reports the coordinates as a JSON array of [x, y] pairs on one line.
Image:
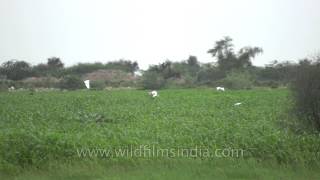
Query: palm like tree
[[227, 59], [222, 47]]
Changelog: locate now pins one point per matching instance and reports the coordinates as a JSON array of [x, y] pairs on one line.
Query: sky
[[150, 31]]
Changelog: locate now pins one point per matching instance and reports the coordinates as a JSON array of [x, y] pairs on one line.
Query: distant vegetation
[[230, 68], [53, 74]]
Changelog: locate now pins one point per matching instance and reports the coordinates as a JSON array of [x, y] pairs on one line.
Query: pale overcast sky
[[150, 31]]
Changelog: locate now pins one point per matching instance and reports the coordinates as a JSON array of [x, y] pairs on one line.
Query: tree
[[166, 70], [227, 59], [53, 67], [124, 65], [306, 90], [246, 54], [208, 74], [280, 72], [54, 63], [193, 65], [40, 70], [152, 80], [16, 70], [222, 48], [71, 82]]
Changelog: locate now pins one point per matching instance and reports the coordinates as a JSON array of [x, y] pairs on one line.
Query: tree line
[[18, 70], [230, 68]]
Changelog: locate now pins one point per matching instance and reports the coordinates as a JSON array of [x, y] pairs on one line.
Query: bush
[[16, 70], [306, 88], [97, 85], [152, 80], [71, 82], [272, 84], [209, 76], [4, 85], [40, 82], [238, 80]]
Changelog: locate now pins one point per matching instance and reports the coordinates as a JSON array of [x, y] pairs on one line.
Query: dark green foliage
[[97, 85], [269, 83], [238, 80], [125, 65], [71, 82], [209, 74], [172, 74], [54, 67], [83, 68], [16, 70], [152, 80], [4, 85], [54, 63], [166, 70], [40, 70], [193, 66], [282, 73], [306, 89]]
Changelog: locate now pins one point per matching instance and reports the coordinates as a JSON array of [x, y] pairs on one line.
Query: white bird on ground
[[220, 88], [87, 83], [237, 104], [153, 94], [11, 88]]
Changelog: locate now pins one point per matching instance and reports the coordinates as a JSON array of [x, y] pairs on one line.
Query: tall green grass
[[171, 169], [40, 128]]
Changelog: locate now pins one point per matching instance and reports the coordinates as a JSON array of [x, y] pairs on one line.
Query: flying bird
[[87, 83], [220, 88]]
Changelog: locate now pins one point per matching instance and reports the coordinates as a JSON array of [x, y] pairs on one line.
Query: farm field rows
[[45, 130]]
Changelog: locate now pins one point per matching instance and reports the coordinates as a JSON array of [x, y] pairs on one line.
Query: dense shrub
[[306, 88], [122, 65], [4, 85], [272, 84], [152, 80], [182, 82], [238, 80], [16, 70], [97, 85], [209, 74], [71, 82]]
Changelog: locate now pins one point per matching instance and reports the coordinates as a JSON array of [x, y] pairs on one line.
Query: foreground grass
[[171, 169], [40, 128]]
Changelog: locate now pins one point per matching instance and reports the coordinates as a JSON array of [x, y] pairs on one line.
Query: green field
[[42, 133]]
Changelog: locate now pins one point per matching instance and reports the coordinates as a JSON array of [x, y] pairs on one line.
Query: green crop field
[[52, 135]]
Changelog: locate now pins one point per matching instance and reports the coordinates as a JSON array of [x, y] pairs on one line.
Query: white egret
[[153, 94], [87, 83], [220, 88], [11, 88]]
